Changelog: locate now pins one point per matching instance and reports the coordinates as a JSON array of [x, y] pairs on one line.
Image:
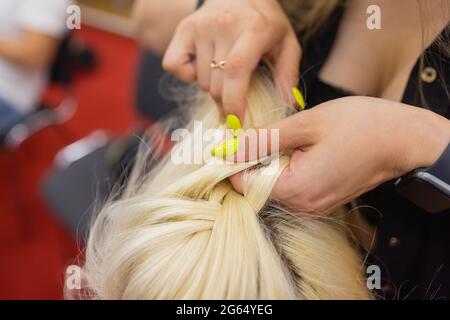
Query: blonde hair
[[183, 232]]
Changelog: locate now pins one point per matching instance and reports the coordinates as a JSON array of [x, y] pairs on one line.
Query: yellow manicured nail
[[227, 148], [234, 124], [299, 98]]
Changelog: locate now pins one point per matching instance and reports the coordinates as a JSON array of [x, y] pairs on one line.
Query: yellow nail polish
[[299, 98], [234, 124], [227, 148]]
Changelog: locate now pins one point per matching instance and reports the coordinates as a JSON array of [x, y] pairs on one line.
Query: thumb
[[292, 132]]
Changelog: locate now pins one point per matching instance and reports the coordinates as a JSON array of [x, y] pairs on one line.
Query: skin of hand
[[34, 51], [241, 32], [346, 147], [156, 21]]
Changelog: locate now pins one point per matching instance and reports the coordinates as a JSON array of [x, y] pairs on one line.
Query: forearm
[[13, 51], [31, 51], [156, 21]]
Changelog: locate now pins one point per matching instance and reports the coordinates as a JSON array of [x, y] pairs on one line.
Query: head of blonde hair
[[182, 232]]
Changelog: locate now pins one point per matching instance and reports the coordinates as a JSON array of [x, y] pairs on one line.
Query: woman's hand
[[156, 21], [349, 146], [240, 32]]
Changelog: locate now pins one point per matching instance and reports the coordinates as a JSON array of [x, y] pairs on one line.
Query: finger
[[305, 187], [294, 190], [241, 62], [286, 188], [293, 187], [204, 51], [287, 67], [288, 183], [178, 57], [237, 181], [216, 81], [292, 132]]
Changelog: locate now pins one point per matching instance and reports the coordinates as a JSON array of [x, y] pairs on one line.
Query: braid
[[185, 233]]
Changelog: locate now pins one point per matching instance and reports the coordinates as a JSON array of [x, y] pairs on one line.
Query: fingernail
[[299, 98], [234, 124], [227, 148]]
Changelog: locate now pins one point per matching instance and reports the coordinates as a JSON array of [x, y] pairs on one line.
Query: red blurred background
[[35, 248]]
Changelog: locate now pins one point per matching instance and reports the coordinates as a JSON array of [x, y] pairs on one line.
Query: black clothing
[[413, 246]]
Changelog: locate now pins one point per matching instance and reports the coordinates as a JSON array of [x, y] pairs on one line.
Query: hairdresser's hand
[[240, 32], [346, 147]]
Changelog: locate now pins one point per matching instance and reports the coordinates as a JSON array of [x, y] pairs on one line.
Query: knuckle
[[259, 22], [216, 92], [226, 20], [185, 24], [169, 65], [203, 85], [203, 23], [236, 67]]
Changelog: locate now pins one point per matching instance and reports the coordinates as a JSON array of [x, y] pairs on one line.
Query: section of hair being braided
[[183, 232]]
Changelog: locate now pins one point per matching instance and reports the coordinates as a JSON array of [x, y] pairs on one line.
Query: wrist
[[429, 137]]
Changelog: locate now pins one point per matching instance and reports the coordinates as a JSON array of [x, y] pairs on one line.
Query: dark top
[[413, 246]]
